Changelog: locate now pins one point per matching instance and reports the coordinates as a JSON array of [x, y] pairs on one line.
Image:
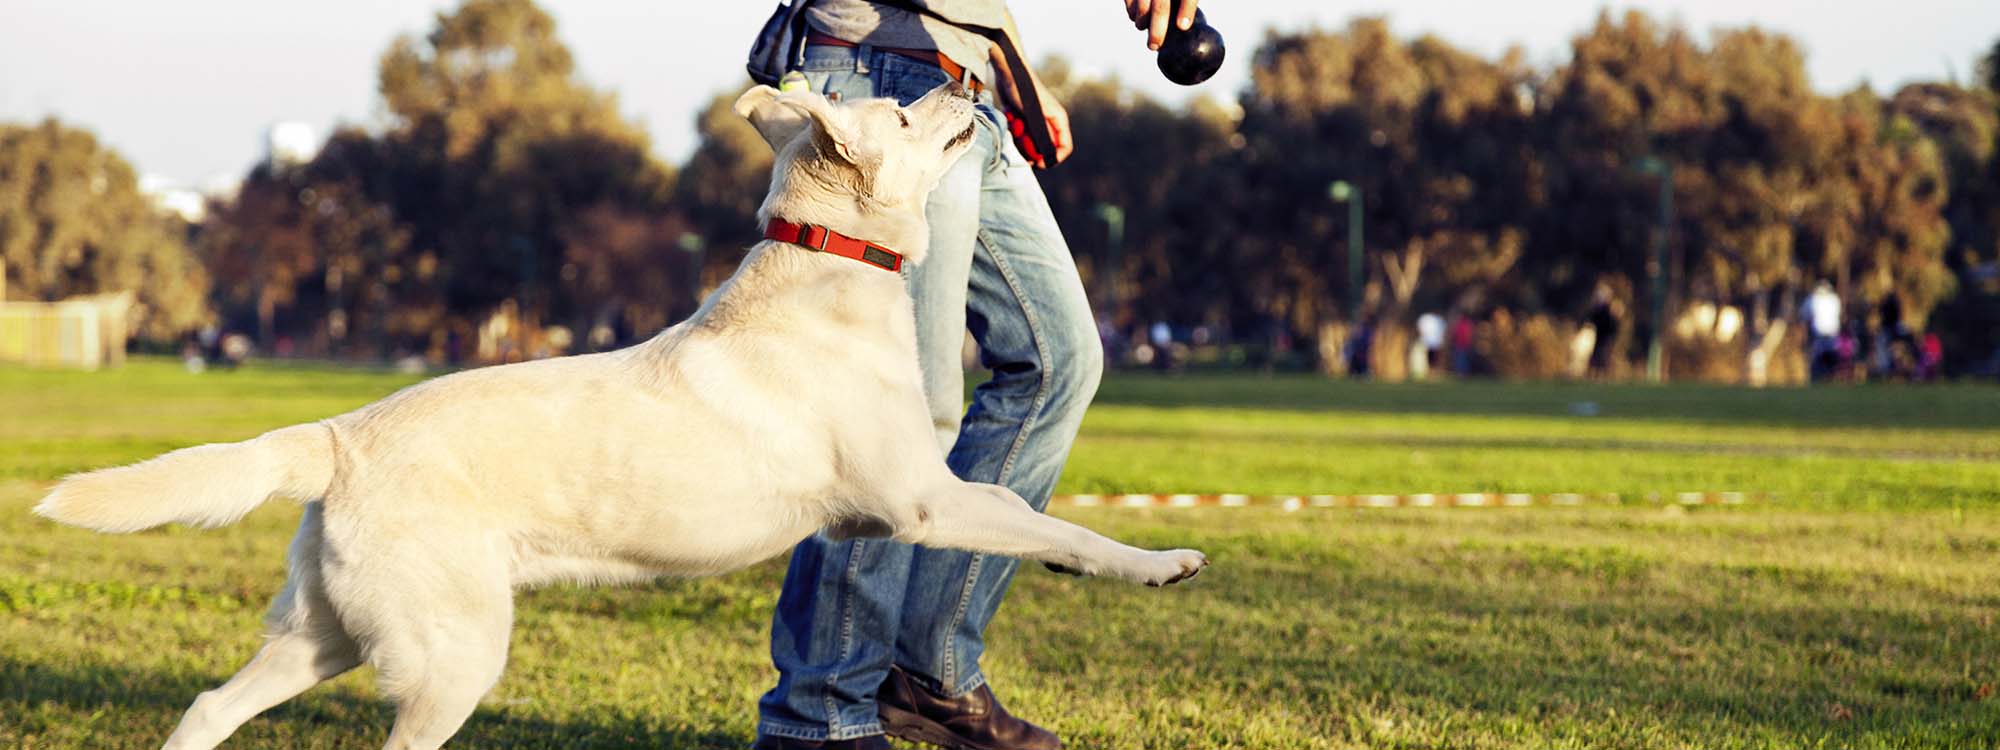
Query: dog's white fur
[[789, 403]]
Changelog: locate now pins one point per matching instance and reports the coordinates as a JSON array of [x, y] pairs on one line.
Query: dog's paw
[[1172, 566]]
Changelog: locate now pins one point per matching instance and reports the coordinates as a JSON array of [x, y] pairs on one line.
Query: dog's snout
[[958, 89]]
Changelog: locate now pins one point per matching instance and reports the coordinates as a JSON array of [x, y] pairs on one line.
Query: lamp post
[[1342, 191], [1656, 267], [1113, 217]]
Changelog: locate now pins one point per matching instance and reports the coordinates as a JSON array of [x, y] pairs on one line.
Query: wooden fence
[[83, 332]]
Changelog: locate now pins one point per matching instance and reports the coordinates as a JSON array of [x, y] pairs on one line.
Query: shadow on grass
[[1783, 656], [1962, 406], [50, 701]]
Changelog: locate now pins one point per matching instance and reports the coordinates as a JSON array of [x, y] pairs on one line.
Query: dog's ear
[[779, 117]]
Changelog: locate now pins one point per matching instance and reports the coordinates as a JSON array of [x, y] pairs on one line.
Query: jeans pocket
[[1005, 155]]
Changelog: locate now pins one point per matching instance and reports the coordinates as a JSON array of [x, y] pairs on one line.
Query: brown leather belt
[[934, 57]]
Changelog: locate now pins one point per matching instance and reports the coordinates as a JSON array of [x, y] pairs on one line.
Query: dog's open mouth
[[963, 137]]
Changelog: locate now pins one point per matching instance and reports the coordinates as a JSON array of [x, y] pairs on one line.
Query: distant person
[[1430, 331], [209, 340], [1109, 339], [191, 357], [1849, 354], [1603, 318], [1162, 337], [1358, 345], [1930, 364], [1896, 352], [1463, 331], [1823, 345], [235, 349]]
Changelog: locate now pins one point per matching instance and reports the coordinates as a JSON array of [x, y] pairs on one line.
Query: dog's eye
[[905, 118]]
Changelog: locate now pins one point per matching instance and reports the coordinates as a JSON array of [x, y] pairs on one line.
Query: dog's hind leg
[[305, 645], [992, 519], [437, 622]]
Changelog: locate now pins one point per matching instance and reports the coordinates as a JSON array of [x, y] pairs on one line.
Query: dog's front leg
[[992, 519]]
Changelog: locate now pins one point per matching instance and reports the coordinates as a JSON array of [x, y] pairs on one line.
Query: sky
[[186, 89]]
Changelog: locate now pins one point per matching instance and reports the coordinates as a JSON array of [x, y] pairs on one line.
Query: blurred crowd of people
[[1881, 345]]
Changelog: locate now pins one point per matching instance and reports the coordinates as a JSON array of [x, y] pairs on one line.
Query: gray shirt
[[863, 22]]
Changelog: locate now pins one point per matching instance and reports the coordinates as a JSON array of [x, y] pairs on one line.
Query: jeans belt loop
[[863, 52]]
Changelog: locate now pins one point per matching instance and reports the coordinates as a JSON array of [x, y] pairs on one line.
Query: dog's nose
[[958, 89]]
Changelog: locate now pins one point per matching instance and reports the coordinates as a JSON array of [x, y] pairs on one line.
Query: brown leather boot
[[973, 721]]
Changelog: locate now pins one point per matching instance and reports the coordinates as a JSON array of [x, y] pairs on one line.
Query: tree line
[[506, 200]]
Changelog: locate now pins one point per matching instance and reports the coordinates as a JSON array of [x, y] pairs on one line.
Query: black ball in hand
[[1190, 57]]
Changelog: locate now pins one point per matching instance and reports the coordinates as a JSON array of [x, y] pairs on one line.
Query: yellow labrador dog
[[790, 403]]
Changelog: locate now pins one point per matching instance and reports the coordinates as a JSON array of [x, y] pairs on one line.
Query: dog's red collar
[[821, 239]]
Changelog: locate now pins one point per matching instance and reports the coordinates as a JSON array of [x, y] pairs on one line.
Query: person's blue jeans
[[997, 265]]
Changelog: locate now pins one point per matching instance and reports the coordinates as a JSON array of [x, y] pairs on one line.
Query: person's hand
[[1153, 17], [1052, 112], [1058, 119]]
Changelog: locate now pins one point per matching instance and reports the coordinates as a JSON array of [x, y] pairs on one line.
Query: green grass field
[[1855, 609]]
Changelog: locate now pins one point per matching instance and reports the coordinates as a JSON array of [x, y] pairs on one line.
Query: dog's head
[[869, 162]]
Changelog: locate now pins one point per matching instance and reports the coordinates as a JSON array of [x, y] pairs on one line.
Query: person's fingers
[[1157, 34], [1135, 10], [1186, 20], [1060, 134]]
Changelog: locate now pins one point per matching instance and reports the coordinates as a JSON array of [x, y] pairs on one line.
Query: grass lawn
[[1857, 609]]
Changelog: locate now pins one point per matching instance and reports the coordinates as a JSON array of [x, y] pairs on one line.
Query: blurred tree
[[495, 149], [500, 178], [639, 270], [724, 181], [1632, 90], [1435, 139], [1876, 226], [1989, 68], [1161, 171], [1755, 174], [1964, 123], [306, 243], [1775, 186], [258, 247], [73, 222], [496, 166]]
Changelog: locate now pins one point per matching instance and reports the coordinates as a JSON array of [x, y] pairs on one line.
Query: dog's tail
[[207, 485]]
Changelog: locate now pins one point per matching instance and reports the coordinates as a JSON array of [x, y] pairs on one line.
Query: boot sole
[[910, 727]]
